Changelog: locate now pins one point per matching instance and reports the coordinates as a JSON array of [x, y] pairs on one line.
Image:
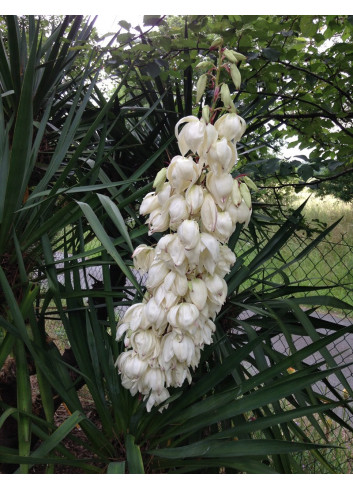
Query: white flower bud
[[238, 56], [122, 328], [217, 42], [206, 113], [230, 126], [226, 98], [160, 178], [245, 192], [230, 55], [235, 75], [250, 183], [236, 195], [200, 87]]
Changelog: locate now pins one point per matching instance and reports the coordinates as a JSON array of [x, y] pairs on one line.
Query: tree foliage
[[295, 90]]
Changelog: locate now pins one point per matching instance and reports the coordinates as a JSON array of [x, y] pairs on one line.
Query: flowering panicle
[[198, 200]]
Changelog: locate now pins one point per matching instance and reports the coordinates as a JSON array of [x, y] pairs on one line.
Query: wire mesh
[[330, 264]]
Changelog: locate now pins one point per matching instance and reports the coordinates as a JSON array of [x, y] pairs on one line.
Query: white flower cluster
[[200, 202]]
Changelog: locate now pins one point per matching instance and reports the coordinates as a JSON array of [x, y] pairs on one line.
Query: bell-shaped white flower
[[224, 227], [145, 343], [176, 283], [179, 345], [152, 379], [143, 257], [131, 364], [156, 274], [198, 293], [171, 250], [158, 221], [160, 178], [230, 126], [149, 203], [189, 234], [243, 213], [194, 198], [209, 213], [130, 384], [182, 173], [178, 211], [222, 156], [121, 329], [202, 334], [165, 298], [209, 255], [220, 186], [156, 398], [176, 374], [217, 289], [226, 261], [164, 194], [210, 137], [183, 315], [193, 256], [192, 134], [155, 314], [245, 192], [135, 317]]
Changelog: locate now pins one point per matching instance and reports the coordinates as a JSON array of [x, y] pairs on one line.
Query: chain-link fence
[[329, 263]]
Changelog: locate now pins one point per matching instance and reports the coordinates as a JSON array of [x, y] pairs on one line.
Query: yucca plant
[[86, 194]]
